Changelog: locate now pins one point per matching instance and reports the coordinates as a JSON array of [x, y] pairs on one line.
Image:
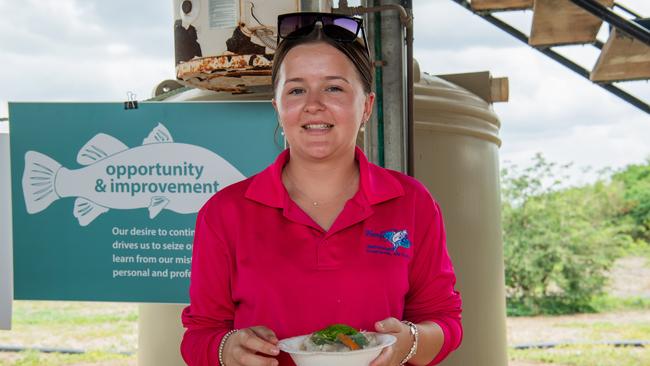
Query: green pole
[[379, 91]]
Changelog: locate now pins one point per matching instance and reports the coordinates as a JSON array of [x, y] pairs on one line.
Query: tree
[[558, 241], [636, 182]]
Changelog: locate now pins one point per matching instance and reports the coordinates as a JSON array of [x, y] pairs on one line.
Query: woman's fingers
[[252, 341], [265, 333], [389, 325], [247, 348], [390, 355], [245, 357], [384, 358]]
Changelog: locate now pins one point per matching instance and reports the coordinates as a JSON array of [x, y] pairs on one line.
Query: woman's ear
[[367, 106]]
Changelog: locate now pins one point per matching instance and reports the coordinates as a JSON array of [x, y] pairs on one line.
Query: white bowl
[[361, 357]]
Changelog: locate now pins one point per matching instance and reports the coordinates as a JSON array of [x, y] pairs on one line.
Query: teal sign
[[105, 199]]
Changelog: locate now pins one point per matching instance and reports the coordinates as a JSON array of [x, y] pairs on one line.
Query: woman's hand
[[254, 346], [393, 355]]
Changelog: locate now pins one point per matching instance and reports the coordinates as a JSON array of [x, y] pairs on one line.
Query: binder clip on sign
[[131, 102]]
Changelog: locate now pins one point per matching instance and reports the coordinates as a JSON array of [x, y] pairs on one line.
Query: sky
[[93, 50]]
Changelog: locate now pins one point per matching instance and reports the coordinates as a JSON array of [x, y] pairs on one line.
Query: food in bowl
[[338, 338], [330, 349]]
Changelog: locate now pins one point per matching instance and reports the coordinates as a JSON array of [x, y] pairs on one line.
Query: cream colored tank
[[457, 157]]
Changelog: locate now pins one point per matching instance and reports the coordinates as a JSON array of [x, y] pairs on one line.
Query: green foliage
[[558, 241], [607, 303], [636, 181]]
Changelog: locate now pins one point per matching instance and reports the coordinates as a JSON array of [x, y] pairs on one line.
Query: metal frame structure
[[615, 20], [602, 12]]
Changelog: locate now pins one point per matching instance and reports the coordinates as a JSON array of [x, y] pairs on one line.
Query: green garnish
[[329, 335], [360, 339]]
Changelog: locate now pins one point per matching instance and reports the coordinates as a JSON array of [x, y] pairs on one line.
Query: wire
[[263, 32]]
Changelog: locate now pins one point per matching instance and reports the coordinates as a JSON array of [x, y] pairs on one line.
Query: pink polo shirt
[[259, 259]]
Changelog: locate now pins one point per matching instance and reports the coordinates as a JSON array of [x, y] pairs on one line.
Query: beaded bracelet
[[414, 331], [223, 343]]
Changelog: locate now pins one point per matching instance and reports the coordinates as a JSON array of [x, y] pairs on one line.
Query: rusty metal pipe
[[406, 19]]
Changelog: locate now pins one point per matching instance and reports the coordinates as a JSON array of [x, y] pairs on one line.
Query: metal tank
[[456, 154]]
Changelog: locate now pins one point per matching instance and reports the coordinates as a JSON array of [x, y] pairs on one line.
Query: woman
[[321, 236]]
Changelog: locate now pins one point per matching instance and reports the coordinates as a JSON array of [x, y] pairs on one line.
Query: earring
[[363, 127], [284, 138]]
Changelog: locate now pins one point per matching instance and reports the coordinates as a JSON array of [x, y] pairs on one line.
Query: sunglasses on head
[[341, 28]]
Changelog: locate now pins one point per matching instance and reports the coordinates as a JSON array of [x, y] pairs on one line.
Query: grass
[[609, 303], [66, 313], [594, 354], [35, 358], [605, 331], [618, 323], [104, 330], [585, 355], [600, 304]]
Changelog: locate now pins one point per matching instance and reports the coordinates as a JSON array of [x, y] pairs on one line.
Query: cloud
[[54, 78], [65, 50], [614, 146], [80, 28], [551, 109], [545, 97], [42, 27], [445, 25]]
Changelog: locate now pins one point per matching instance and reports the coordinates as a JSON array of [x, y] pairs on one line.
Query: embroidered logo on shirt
[[397, 239]]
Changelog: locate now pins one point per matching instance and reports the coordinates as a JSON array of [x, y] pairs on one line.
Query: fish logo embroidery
[[159, 174], [397, 239]]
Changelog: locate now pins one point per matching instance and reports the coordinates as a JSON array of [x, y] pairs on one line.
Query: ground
[[630, 278]]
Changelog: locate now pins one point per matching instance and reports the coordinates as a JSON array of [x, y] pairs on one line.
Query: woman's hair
[[355, 52]]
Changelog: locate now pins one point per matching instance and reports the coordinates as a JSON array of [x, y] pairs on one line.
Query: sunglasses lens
[[340, 28], [348, 24], [338, 33], [295, 25]]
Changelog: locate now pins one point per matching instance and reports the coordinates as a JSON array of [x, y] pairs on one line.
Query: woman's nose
[[314, 102]]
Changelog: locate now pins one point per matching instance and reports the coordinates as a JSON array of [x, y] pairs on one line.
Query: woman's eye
[[296, 91], [334, 89]]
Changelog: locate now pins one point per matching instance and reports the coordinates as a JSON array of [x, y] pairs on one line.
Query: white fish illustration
[[159, 174]]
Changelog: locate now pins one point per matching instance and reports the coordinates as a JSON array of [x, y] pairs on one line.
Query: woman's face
[[320, 101]]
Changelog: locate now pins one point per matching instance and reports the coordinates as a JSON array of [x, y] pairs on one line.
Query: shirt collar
[[377, 184]]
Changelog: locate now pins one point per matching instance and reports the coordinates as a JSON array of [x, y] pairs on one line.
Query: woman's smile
[[317, 127]]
